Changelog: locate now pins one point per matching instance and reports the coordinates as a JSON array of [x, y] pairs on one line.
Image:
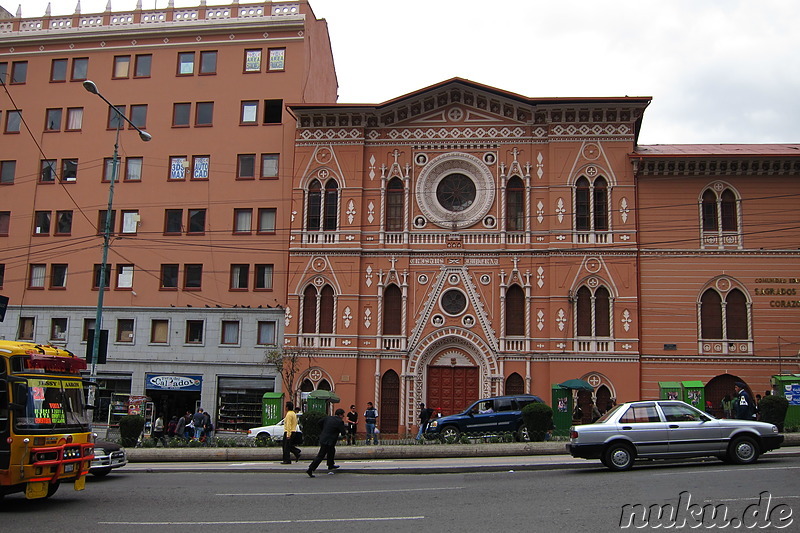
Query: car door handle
[[674, 426], [627, 427]]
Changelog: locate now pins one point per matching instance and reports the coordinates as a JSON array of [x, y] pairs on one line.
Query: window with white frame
[[58, 329], [125, 330], [124, 276], [266, 332]]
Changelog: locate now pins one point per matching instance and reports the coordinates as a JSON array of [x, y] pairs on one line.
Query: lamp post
[[101, 285]]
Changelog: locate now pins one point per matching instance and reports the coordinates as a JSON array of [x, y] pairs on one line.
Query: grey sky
[[719, 71]]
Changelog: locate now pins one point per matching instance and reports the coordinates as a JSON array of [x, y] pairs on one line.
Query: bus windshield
[[53, 405]]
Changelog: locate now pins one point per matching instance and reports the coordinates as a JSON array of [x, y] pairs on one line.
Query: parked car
[[274, 432], [667, 429], [107, 456], [490, 416]]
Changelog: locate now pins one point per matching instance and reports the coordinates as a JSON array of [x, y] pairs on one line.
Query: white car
[[267, 432]]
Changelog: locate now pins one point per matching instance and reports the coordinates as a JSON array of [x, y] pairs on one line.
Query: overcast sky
[[719, 71]]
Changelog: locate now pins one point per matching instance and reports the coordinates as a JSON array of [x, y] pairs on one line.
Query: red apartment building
[[197, 259]]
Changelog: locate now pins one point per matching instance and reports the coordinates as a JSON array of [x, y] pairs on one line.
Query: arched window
[[515, 384], [314, 210], [711, 315], [394, 205], [326, 310], [591, 204], [331, 205], [719, 212], [736, 315], [593, 311], [733, 307], [515, 311], [392, 310], [710, 220], [515, 205], [318, 308], [310, 310]]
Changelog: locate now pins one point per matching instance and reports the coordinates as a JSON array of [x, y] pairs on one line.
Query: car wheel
[[743, 451], [619, 456], [51, 489], [522, 434], [450, 434], [264, 436], [100, 472]]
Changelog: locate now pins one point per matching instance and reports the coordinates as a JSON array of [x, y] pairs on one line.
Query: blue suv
[[492, 416]]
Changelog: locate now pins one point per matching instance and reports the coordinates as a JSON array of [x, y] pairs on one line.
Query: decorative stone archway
[[440, 348]]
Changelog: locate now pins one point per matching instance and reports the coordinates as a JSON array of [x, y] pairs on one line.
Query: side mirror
[[19, 396]]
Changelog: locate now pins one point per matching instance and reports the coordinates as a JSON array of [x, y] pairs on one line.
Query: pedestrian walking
[[158, 431], [332, 427], [743, 406], [289, 430], [199, 423]]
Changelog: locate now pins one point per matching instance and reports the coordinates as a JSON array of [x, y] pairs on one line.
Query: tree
[[287, 364]]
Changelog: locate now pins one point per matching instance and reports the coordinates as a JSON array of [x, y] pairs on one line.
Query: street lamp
[[101, 285]]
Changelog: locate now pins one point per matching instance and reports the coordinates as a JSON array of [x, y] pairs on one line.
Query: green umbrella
[[577, 384], [320, 394]]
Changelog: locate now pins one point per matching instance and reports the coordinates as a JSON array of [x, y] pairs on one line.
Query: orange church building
[[462, 241]]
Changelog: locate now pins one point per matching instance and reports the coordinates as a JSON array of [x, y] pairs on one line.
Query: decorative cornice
[[681, 165]]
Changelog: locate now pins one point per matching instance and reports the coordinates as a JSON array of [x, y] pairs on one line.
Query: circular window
[[456, 192], [453, 302]]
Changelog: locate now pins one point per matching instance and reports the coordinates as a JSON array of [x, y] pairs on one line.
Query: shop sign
[[171, 382]]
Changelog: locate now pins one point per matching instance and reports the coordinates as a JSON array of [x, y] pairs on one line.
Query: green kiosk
[[562, 409], [694, 393], [669, 390], [271, 408], [788, 386]]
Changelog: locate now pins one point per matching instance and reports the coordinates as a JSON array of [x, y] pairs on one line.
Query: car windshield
[[53, 405], [608, 414]]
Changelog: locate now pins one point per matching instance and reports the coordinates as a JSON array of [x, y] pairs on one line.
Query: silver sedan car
[[669, 429]]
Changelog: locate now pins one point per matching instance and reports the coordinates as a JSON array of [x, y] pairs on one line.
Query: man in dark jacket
[[743, 407], [332, 428]]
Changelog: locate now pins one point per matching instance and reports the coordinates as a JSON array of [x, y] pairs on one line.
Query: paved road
[[584, 498]]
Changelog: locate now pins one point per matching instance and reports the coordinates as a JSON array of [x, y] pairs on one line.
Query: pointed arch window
[[326, 310], [593, 309], [392, 310], [395, 194], [515, 311], [719, 217], [314, 210], [318, 308], [591, 204], [515, 205], [331, 205], [515, 384], [724, 318]]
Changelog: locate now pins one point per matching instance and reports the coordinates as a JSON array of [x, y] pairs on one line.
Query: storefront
[[174, 394], [239, 401]]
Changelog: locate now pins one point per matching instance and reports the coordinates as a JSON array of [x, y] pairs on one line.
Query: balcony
[[395, 342]]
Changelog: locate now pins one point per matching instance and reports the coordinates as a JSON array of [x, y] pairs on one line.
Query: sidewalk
[[418, 459]]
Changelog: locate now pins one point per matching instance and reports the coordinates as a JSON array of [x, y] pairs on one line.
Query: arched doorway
[[717, 388], [603, 396], [515, 384], [389, 411]]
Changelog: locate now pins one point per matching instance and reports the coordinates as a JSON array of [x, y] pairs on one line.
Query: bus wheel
[[52, 488]]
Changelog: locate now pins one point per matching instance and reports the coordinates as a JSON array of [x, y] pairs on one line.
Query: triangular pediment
[[452, 114]]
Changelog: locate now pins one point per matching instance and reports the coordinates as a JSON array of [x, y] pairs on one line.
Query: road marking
[[264, 522], [740, 469], [335, 493]]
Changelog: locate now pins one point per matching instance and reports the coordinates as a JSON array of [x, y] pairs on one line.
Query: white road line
[[264, 522], [739, 469], [334, 493]]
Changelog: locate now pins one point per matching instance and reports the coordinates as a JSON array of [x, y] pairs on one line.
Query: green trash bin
[[316, 404], [694, 393], [562, 409], [669, 390], [271, 408], [788, 386]]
